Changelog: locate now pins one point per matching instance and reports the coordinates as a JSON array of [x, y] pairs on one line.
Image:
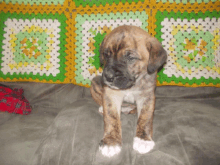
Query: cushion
[[186, 131]]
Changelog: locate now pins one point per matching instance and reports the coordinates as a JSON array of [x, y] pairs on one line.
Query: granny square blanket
[[58, 41]]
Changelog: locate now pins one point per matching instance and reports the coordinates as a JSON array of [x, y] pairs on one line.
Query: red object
[[13, 101]]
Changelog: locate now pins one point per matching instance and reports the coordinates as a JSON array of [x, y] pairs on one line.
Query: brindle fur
[[141, 75]]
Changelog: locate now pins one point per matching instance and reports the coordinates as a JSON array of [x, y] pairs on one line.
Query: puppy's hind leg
[[128, 108], [96, 90]]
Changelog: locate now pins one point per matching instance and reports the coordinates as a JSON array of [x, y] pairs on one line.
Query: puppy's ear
[[157, 55], [102, 51]]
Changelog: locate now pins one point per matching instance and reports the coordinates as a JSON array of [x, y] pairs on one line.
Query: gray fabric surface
[[65, 128], [20, 136]]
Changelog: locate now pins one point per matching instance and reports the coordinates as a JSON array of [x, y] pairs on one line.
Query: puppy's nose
[[109, 75]]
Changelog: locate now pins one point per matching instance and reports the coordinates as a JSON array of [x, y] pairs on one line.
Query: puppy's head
[[128, 52]]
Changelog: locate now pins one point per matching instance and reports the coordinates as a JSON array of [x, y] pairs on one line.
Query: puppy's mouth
[[119, 82], [110, 85]]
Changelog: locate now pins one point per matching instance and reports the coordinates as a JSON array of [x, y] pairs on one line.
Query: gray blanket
[[65, 128]]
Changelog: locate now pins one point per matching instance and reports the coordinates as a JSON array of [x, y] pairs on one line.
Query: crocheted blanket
[[58, 41]]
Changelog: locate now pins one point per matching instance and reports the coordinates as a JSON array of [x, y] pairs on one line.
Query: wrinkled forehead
[[121, 41], [118, 42]]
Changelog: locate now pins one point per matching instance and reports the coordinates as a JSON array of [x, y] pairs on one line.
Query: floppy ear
[[157, 55]]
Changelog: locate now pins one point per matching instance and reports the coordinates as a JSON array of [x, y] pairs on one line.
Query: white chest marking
[[129, 96]]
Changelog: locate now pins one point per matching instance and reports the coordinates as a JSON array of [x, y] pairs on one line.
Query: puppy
[[131, 58]]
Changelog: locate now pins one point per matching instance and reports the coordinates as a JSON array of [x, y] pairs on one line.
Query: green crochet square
[[192, 49], [32, 47], [91, 30], [192, 43]]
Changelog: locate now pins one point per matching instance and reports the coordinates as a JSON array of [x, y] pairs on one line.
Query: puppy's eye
[[130, 57]]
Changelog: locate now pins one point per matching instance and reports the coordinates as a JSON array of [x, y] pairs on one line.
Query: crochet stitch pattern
[[185, 1], [58, 41], [102, 2], [192, 43], [31, 2], [193, 47], [31, 46]]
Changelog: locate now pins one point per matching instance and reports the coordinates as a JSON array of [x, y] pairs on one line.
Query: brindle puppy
[[131, 58]]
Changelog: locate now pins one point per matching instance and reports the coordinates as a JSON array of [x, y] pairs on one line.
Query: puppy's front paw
[[101, 109], [109, 151], [142, 146]]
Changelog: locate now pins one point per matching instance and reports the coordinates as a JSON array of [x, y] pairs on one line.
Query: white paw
[[142, 146], [101, 109], [109, 151]]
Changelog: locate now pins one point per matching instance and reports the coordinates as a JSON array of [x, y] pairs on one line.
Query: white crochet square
[[193, 47], [31, 46]]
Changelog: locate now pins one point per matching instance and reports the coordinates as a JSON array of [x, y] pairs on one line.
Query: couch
[[65, 128]]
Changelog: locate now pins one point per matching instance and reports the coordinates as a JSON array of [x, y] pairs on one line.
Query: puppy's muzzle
[[116, 79]]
